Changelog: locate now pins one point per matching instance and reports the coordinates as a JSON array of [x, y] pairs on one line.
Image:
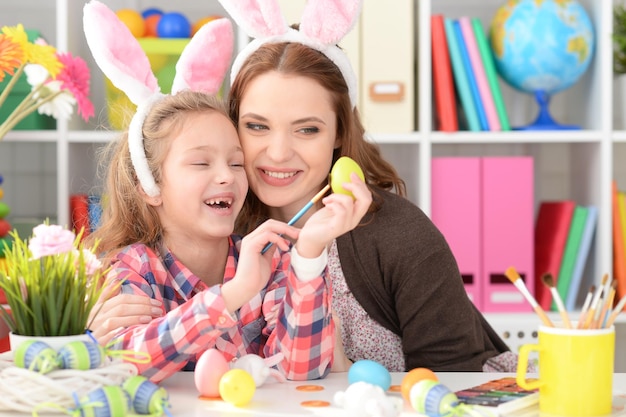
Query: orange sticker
[[310, 388], [205, 398], [315, 403], [395, 388]]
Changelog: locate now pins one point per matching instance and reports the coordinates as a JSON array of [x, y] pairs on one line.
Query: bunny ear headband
[[201, 67], [323, 24]]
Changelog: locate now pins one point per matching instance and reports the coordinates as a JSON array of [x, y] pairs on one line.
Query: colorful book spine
[[443, 84], [479, 73], [471, 78], [619, 259], [581, 259], [460, 78], [490, 71]]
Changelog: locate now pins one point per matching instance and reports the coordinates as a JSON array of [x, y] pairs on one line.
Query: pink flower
[[75, 78], [50, 240], [92, 263]]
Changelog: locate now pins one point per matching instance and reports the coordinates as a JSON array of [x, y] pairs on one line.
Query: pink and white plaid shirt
[[196, 319]]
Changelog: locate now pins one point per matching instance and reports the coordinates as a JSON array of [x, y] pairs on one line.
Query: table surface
[[285, 399]]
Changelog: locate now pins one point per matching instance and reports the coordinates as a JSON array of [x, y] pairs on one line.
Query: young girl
[[175, 186]]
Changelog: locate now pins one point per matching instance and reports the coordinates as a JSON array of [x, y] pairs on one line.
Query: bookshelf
[[568, 164]]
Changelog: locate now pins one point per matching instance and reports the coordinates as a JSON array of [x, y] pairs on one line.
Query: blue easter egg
[[151, 11], [371, 372], [81, 355], [433, 398], [173, 25], [146, 396], [36, 356], [108, 401]]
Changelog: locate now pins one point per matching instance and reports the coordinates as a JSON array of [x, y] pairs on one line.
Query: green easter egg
[[340, 174], [4, 210]]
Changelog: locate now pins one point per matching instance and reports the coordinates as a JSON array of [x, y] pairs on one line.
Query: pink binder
[[456, 212], [508, 227]]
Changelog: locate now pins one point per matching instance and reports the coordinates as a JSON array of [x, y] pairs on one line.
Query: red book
[[619, 261], [551, 231], [443, 85]]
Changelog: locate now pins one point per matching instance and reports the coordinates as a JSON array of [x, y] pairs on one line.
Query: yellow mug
[[575, 371]]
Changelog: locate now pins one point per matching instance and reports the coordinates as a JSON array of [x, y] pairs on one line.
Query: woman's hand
[[340, 214], [254, 267], [115, 311]]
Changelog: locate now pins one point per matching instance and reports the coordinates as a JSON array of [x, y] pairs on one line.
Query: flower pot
[[55, 342]]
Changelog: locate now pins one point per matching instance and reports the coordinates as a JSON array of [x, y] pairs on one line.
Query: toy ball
[[36, 356], [1, 179], [413, 377], [81, 355], [151, 11], [432, 398], [173, 25], [237, 387], [201, 22], [4, 210], [1, 193], [107, 401], [210, 368], [340, 174], [133, 21], [371, 372], [146, 396], [151, 23], [5, 227]]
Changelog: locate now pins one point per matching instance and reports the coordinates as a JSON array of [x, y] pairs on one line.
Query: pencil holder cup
[[575, 371]]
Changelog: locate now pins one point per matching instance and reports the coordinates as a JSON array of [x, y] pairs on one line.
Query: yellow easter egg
[[340, 174], [237, 387]]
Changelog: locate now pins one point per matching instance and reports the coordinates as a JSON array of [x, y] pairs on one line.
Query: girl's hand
[[254, 268], [340, 214], [115, 311]]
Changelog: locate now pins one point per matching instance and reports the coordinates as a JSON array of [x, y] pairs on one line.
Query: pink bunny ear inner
[[257, 18], [328, 21], [117, 52], [206, 58]]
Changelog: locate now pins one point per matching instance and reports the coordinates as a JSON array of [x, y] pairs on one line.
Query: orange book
[[443, 86], [551, 232], [619, 254]]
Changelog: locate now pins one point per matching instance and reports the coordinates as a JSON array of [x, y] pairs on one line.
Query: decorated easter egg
[[81, 355], [432, 398], [237, 387], [146, 397], [371, 372], [210, 368], [133, 21], [340, 174], [413, 377], [107, 401], [35, 355]]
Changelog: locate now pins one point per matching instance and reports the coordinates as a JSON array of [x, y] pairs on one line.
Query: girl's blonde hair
[[298, 59], [126, 217]]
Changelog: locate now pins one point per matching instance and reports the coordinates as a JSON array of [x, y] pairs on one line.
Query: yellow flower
[[34, 53]]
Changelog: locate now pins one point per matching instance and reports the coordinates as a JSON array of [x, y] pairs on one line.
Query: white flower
[[61, 107], [35, 75]]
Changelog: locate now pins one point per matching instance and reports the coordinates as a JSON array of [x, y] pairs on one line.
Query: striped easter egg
[[35, 355], [432, 398], [81, 355], [146, 396], [108, 401]]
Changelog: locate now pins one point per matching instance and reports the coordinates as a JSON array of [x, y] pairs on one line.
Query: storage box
[[163, 54], [33, 121]]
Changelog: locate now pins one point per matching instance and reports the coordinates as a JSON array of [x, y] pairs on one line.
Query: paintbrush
[[618, 309], [594, 303], [606, 307], [586, 304], [514, 277], [303, 210], [548, 280]]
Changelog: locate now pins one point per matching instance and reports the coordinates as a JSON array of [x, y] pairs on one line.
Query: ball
[[173, 25], [151, 11], [5, 227], [133, 21], [413, 377], [371, 372], [201, 22], [237, 387], [4, 210], [151, 22]]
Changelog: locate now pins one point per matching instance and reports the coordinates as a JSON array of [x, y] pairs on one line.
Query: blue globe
[[541, 46]]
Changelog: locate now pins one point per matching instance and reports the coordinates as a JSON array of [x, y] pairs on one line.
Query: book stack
[[564, 233], [86, 211], [464, 68]]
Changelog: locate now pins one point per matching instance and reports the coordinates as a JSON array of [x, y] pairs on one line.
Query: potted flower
[[51, 283]]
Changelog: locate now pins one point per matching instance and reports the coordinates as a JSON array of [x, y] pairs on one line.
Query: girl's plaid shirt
[[195, 318]]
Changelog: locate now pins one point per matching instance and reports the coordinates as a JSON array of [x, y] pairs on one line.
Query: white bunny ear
[[257, 18], [117, 52], [206, 58], [329, 21]]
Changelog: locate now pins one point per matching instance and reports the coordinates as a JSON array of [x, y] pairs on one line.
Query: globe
[[542, 47]]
